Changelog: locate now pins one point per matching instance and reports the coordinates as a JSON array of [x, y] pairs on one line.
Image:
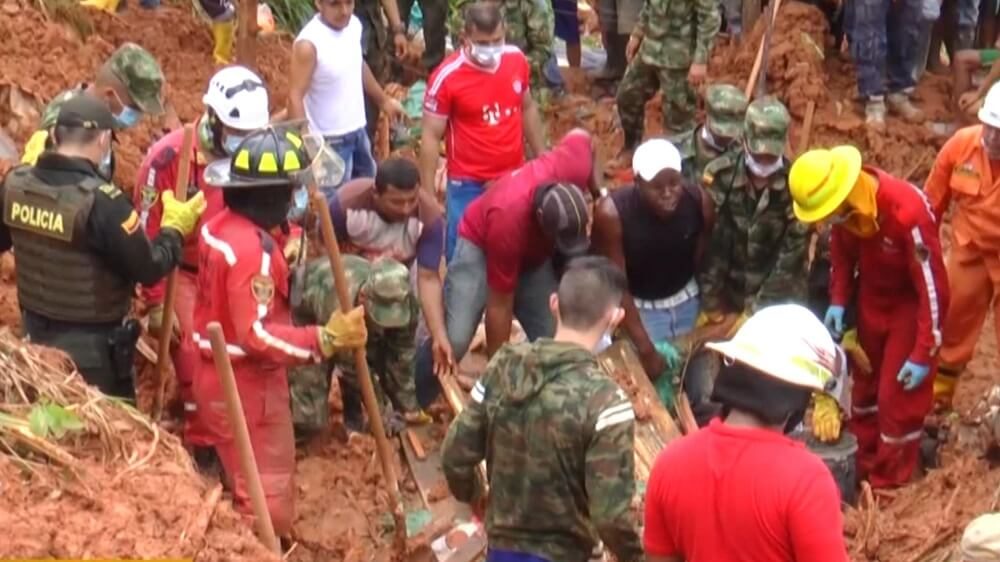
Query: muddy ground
[[342, 509]]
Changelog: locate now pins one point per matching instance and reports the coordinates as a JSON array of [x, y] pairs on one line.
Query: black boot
[[614, 66]]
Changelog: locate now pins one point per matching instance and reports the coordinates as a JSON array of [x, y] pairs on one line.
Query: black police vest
[[58, 276]]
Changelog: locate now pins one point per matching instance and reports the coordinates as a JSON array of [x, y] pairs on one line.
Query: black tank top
[[659, 253]]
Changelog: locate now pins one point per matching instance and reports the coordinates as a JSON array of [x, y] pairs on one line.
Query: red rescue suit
[[902, 299], [243, 285], [158, 173]]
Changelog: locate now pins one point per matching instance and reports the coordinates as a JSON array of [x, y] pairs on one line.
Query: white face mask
[[710, 140], [487, 56], [763, 170]]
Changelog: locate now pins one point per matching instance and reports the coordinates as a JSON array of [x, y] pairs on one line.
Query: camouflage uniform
[[757, 253], [676, 34], [137, 70], [377, 46], [383, 285], [725, 109], [529, 25], [557, 436]]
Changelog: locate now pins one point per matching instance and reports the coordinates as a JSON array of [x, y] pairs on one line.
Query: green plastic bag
[[666, 384]]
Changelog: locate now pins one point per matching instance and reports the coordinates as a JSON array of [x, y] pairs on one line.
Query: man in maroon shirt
[[506, 241]]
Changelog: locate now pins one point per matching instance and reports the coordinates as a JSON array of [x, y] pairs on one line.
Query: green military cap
[[387, 293], [766, 126], [726, 107], [141, 75]]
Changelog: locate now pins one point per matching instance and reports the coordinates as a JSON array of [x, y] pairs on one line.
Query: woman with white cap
[[740, 489]]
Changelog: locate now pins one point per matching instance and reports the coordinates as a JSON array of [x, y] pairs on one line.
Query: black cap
[[86, 112], [564, 217]]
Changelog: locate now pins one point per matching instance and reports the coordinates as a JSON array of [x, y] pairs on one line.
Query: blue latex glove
[[834, 320], [912, 374]]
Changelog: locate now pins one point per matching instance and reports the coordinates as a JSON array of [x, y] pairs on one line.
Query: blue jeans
[[458, 196], [465, 293], [355, 149], [667, 324], [885, 41]]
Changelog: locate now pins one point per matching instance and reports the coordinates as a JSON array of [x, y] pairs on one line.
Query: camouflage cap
[[141, 75], [387, 293], [726, 107], [767, 124]]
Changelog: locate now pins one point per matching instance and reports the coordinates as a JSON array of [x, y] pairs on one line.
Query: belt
[[689, 290]]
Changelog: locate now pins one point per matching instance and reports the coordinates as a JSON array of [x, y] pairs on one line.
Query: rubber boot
[[354, 414], [614, 65], [900, 104], [109, 6], [222, 35], [875, 112]]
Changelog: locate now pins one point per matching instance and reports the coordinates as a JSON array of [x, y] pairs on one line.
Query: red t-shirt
[[484, 137], [502, 223], [741, 494]]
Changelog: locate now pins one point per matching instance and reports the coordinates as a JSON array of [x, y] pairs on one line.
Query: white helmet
[[239, 98], [989, 113], [787, 342]]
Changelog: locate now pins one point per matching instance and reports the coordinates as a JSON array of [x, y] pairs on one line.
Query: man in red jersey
[[740, 490], [479, 97], [236, 103], [243, 284]]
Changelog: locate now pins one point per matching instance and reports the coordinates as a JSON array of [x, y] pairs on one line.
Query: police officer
[[80, 248]]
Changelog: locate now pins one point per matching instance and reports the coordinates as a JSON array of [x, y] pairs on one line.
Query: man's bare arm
[[430, 143], [534, 130], [303, 66]]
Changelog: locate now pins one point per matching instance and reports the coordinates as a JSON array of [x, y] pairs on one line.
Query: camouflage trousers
[[390, 353], [639, 85]]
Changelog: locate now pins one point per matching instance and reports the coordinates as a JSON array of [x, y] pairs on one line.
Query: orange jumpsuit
[[963, 173]]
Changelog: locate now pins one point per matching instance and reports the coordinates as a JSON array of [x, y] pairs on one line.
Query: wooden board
[[654, 426]]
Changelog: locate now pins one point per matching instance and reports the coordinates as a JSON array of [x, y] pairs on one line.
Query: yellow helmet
[[820, 180]]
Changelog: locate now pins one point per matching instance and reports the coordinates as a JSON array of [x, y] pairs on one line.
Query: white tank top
[[335, 101]]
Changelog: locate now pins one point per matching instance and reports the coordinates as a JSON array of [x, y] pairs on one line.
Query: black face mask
[[266, 207]]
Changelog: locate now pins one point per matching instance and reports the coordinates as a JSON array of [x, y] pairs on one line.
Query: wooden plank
[[246, 33], [418, 448]]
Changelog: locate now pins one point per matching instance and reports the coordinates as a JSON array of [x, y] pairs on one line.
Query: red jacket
[[158, 173], [901, 262], [243, 285]]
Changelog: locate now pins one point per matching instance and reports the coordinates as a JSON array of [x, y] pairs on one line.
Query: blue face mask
[[104, 168], [231, 143], [300, 203], [128, 117]]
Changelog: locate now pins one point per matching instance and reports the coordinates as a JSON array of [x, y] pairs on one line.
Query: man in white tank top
[[329, 82]]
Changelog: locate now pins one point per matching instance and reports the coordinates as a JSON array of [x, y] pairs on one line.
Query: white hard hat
[[787, 342], [239, 98], [981, 539], [989, 113]]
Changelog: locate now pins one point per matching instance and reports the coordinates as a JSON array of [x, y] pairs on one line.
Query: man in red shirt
[[883, 229], [236, 102], [740, 490], [506, 244], [243, 285], [479, 97]]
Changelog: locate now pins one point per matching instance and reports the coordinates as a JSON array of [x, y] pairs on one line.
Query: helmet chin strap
[[210, 134]]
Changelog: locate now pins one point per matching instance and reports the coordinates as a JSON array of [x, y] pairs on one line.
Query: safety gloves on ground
[[853, 349], [834, 320], [343, 331], [825, 418], [182, 217], [155, 323], [912, 374]]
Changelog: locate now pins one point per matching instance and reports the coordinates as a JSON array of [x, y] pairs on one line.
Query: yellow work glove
[[182, 217], [707, 317], [343, 331], [109, 6], [295, 246], [853, 349], [34, 147], [825, 418]]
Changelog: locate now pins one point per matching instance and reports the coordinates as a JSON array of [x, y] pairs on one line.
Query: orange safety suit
[[962, 173]]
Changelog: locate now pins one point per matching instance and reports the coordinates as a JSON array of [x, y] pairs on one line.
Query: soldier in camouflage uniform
[[130, 82], [529, 27], [757, 253], [556, 434], [726, 107], [392, 312], [668, 50]]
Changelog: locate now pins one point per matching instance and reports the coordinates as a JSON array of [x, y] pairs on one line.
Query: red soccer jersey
[[484, 137], [157, 174], [741, 494], [502, 222]]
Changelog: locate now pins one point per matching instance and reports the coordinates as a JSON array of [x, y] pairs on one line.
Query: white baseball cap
[[654, 156]]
